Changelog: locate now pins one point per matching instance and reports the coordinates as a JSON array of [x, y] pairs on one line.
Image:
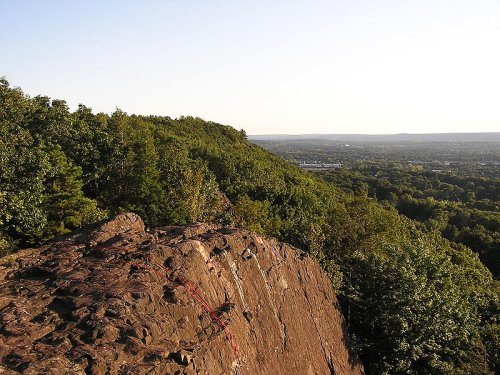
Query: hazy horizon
[[318, 134], [282, 67], [458, 138]]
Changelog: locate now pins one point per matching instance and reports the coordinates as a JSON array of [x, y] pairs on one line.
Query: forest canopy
[[449, 186]]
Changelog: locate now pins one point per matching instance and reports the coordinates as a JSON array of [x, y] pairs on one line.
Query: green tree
[[409, 315], [65, 206]]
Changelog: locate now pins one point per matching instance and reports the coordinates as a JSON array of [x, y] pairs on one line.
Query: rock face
[[199, 299]]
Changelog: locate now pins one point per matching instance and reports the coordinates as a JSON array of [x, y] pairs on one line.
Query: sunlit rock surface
[[199, 299]]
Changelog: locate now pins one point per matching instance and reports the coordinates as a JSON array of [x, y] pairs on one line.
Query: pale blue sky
[[266, 66]]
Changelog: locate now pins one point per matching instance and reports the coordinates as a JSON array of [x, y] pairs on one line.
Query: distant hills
[[404, 137]]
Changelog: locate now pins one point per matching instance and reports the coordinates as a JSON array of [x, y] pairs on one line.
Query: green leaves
[[408, 305], [41, 188], [64, 204]]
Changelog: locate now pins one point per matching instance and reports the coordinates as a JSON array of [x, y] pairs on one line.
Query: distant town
[[317, 165]]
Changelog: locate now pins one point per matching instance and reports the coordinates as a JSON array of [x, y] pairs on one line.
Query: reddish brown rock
[[114, 299]]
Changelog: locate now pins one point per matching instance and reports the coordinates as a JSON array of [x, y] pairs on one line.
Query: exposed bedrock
[[199, 299]]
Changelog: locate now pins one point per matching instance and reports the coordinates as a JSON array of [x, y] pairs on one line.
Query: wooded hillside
[[414, 302]]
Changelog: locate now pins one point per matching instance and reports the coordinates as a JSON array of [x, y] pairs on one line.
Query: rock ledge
[[199, 299]]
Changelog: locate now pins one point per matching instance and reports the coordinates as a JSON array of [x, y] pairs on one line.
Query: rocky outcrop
[[115, 299]]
